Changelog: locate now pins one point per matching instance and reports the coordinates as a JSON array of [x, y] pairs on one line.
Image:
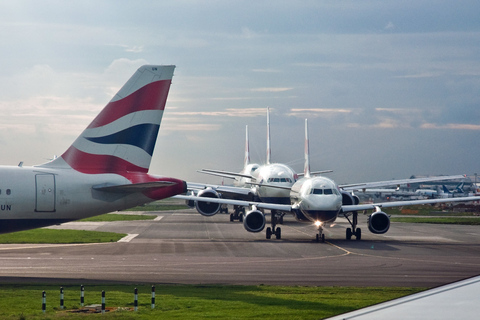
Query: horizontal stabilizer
[[134, 187]]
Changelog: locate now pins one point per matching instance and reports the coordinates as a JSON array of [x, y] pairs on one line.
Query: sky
[[390, 88]]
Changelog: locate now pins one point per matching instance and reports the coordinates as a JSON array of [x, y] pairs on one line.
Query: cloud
[[271, 89], [317, 112], [229, 112], [389, 26], [451, 126]]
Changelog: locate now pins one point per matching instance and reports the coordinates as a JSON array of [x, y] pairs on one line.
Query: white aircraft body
[[319, 200], [104, 170], [265, 183]]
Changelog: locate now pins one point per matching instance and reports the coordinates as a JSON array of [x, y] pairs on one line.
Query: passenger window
[[8, 192]]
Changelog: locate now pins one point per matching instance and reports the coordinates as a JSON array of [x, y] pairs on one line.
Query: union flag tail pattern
[[122, 137]]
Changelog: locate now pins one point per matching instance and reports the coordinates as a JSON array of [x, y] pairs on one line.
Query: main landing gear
[[274, 230], [354, 231], [238, 212]]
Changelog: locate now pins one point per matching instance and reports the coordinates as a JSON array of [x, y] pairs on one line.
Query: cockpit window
[[324, 191], [280, 180]]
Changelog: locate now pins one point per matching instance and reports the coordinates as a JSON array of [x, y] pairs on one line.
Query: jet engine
[[206, 208], [254, 220], [378, 222], [349, 199]]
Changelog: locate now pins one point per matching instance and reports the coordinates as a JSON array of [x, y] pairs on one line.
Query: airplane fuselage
[[276, 174], [317, 198], [33, 197], [243, 182]]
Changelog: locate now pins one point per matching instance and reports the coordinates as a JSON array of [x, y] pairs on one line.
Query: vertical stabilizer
[[306, 169], [246, 161], [269, 152], [123, 136]]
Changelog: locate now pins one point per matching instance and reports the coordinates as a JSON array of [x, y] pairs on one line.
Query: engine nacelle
[[206, 208], [349, 199], [254, 221], [378, 222]]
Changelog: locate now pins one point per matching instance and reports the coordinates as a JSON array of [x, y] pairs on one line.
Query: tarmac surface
[[183, 247]]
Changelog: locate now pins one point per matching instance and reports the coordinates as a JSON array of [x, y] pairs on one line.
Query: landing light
[[318, 223]]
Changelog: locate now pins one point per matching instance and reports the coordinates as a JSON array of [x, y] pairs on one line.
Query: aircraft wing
[[229, 191], [372, 206], [133, 187], [226, 174], [361, 186], [313, 173], [263, 205]]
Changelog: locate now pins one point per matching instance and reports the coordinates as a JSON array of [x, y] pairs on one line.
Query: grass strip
[[195, 302], [446, 220], [154, 206], [59, 236], [108, 217]]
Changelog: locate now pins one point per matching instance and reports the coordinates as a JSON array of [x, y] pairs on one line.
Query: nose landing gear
[[320, 236]]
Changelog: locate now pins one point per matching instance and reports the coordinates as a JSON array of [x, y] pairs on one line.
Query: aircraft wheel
[[323, 237], [278, 233], [240, 217], [358, 234], [349, 233], [269, 233], [231, 217]]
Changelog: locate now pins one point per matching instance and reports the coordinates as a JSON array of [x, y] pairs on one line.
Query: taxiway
[[183, 247]]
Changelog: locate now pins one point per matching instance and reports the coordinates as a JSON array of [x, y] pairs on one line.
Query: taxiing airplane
[[319, 200], [104, 170], [270, 183]]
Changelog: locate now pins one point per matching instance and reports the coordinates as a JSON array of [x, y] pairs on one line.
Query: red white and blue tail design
[[122, 137]]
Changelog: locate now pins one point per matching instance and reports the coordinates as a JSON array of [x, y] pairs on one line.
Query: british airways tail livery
[[104, 170]]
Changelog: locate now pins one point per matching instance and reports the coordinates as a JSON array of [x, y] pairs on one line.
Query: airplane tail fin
[[122, 137], [306, 169], [269, 151], [445, 189], [459, 188], [246, 161]]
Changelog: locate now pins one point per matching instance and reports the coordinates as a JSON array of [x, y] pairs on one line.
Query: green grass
[[59, 236], [425, 210], [195, 302], [436, 220], [162, 205], [108, 217]]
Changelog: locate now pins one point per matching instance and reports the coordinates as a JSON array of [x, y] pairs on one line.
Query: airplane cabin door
[[45, 199]]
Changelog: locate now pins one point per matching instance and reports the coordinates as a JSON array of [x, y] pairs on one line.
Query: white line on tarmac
[[128, 238]]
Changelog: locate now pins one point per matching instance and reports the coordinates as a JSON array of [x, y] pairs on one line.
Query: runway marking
[[128, 238], [158, 218], [50, 245]]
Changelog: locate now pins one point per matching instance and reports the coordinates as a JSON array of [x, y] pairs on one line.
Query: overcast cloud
[[390, 88]]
